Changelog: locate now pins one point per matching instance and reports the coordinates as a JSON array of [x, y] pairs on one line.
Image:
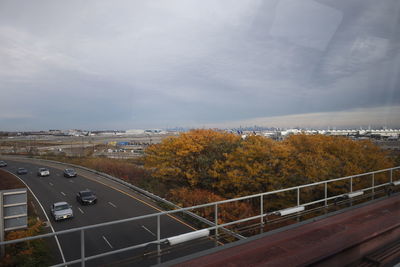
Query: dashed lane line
[[51, 184], [112, 204], [62, 193], [80, 210], [108, 243], [145, 228]]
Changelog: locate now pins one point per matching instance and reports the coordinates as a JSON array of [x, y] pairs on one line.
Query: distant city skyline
[[224, 63]]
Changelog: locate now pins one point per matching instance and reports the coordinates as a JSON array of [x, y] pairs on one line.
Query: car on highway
[[69, 173], [86, 197], [61, 210], [22, 171], [43, 172], [3, 163]]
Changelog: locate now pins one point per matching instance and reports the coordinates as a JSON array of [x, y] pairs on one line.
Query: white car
[[43, 172], [61, 211]]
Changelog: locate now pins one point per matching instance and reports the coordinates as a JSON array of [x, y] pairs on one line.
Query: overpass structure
[[358, 236], [308, 201]]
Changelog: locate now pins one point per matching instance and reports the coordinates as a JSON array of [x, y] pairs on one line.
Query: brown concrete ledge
[[333, 241]]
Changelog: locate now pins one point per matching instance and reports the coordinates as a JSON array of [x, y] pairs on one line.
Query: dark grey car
[[86, 197], [69, 173], [22, 171]]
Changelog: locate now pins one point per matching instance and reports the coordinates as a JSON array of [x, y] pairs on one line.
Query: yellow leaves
[[319, 157], [253, 167], [190, 155], [229, 166]]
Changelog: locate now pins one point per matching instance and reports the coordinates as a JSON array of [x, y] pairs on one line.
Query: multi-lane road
[[114, 202]]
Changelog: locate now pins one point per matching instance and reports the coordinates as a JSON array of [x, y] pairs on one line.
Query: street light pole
[[82, 150]]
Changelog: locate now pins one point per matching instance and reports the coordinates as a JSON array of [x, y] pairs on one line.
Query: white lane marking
[[144, 227], [112, 204], [108, 243], [62, 193], [80, 210], [71, 181], [50, 184], [47, 217]]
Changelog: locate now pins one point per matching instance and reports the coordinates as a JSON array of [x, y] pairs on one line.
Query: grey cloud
[[152, 63]]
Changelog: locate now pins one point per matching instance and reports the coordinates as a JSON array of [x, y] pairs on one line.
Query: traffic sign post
[[2, 249], [13, 212]]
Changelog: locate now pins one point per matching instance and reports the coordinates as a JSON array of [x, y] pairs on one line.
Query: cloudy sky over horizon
[[154, 64]]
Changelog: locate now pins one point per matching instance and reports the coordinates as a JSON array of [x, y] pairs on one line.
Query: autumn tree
[[188, 159], [319, 157], [259, 164], [226, 165]]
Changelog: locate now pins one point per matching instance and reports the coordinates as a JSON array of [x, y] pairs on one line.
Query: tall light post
[[82, 147]]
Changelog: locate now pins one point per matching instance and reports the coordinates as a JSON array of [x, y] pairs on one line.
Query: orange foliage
[[226, 212], [229, 166], [32, 230], [18, 251], [187, 160], [319, 157], [259, 164]]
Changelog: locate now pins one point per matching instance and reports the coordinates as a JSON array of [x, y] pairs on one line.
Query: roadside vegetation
[[32, 253], [203, 166], [230, 166]]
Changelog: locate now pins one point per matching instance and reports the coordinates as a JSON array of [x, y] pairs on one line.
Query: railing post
[[158, 238], [83, 248], [216, 223], [262, 213], [298, 196], [262, 209], [326, 194], [351, 184], [373, 185], [391, 175]]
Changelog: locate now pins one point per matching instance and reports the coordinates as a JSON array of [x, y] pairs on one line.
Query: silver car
[[61, 211]]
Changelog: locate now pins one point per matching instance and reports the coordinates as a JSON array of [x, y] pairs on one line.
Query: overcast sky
[[97, 64]]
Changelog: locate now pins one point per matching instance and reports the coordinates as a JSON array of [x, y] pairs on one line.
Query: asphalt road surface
[[115, 202]]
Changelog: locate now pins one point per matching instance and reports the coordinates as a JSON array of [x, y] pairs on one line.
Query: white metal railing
[[201, 233]]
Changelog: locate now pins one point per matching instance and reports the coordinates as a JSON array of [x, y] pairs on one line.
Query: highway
[[114, 202]]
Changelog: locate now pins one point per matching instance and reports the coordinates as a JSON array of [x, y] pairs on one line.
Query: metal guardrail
[[263, 214]]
